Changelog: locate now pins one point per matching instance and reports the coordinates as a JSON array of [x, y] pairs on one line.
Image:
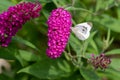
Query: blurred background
[[26, 54]]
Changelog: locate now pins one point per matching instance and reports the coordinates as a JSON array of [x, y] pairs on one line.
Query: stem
[[83, 50], [68, 48], [73, 2], [66, 55], [79, 9], [73, 59]]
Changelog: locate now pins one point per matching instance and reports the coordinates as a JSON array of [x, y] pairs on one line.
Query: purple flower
[[100, 61], [59, 24], [13, 19]]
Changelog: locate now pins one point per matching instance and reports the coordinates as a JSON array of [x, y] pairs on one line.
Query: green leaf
[[49, 69], [115, 62], [89, 40], [45, 13], [5, 77], [114, 51], [14, 1], [25, 42], [118, 13], [94, 46], [109, 22], [75, 44], [8, 53], [28, 56], [4, 5], [113, 74], [20, 59], [104, 4], [89, 74], [25, 56], [109, 73]]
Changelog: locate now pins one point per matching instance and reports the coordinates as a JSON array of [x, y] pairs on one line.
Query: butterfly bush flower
[[13, 19], [59, 24], [100, 61]]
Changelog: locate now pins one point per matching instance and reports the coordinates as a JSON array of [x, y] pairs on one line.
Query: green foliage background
[[27, 51]]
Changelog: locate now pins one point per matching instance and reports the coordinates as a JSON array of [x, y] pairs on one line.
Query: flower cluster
[[100, 61], [59, 24], [13, 19]]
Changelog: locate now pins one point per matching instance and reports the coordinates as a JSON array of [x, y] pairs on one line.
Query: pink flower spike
[[59, 24]]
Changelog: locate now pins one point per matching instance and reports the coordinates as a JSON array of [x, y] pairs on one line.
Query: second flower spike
[[13, 19], [59, 24]]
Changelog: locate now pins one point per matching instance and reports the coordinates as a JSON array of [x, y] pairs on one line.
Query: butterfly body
[[82, 31]]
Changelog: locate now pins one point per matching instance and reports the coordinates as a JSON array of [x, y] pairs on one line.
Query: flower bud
[[100, 61]]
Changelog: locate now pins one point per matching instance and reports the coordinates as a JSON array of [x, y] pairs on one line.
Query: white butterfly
[[82, 30]]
